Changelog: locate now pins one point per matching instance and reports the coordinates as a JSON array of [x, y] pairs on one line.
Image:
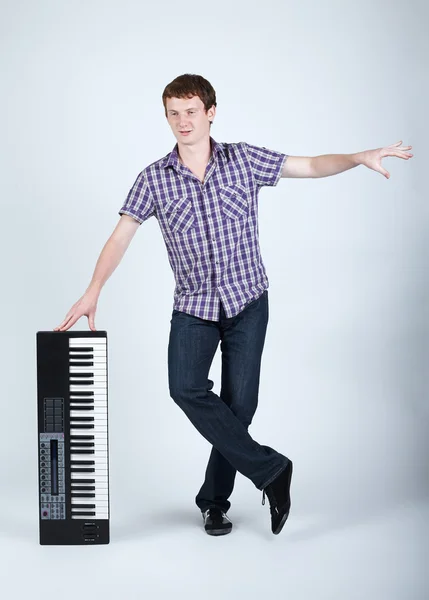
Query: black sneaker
[[216, 522], [278, 492]]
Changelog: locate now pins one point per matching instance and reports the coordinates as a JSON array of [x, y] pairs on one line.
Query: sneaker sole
[[281, 524], [219, 531]]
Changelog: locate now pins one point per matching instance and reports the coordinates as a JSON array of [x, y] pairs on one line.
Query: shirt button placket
[[213, 240]]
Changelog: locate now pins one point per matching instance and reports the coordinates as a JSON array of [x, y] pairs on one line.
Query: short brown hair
[[186, 86]]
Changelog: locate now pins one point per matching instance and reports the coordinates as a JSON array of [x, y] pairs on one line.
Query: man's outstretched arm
[[332, 164], [110, 257]]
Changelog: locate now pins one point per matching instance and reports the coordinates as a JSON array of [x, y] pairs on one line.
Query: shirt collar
[[172, 159]]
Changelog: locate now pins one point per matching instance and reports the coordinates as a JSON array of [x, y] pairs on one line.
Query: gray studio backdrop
[[345, 369]]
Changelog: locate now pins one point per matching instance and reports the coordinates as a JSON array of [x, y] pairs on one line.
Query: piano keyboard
[[73, 432]]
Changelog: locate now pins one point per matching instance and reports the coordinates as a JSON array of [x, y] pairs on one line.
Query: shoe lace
[[215, 514], [273, 504]]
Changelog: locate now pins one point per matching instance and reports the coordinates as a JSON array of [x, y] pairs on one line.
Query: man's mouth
[[186, 132]]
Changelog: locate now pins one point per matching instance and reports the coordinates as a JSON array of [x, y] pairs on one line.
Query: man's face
[[188, 115]]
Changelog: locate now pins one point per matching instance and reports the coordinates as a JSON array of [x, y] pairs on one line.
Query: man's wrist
[[356, 158]]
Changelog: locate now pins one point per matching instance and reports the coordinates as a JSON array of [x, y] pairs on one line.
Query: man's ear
[[211, 113]]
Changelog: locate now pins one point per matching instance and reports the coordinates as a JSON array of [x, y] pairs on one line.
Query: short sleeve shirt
[[210, 228]]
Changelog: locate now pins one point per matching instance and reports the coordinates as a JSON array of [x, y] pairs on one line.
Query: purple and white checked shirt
[[210, 229]]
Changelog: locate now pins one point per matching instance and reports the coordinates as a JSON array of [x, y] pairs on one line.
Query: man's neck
[[197, 154]]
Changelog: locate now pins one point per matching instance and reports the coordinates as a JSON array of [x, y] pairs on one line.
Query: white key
[[98, 497], [88, 353], [96, 413], [97, 436], [99, 485], [93, 355], [89, 388], [98, 452], [98, 477], [90, 341], [98, 368], [102, 459], [99, 458], [75, 500], [95, 396], [102, 351]]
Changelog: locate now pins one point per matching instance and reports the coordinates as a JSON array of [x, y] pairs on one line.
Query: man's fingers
[[400, 154], [70, 323], [67, 323], [91, 322], [61, 325]]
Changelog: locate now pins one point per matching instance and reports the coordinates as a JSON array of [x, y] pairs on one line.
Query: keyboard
[[73, 437]]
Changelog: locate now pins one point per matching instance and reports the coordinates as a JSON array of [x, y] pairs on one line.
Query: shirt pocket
[[180, 214], [234, 201]]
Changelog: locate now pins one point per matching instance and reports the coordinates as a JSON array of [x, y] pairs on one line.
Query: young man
[[204, 195]]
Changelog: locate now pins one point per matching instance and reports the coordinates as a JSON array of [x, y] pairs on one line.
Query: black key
[[82, 462], [83, 487], [88, 374], [82, 444], [89, 382], [84, 394], [83, 481], [81, 470], [83, 506], [83, 513], [82, 437], [81, 419], [82, 495], [82, 349], [76, 363], [75, 451], [76, 407], [83, 426], [82, 400]]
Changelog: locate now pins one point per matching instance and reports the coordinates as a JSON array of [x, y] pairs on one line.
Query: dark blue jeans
[[224, 420]]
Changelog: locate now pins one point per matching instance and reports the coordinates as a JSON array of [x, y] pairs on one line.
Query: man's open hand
[[372, 158]]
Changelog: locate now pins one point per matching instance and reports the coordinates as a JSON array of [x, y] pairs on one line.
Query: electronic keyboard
[[73, 437]]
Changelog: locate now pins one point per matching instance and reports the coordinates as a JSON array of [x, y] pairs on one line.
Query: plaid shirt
[[210, 229]]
